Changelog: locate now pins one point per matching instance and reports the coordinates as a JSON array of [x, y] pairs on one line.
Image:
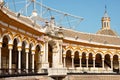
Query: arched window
[[104, 24]]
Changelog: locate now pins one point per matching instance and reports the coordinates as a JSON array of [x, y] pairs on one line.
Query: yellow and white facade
[[25, 47]]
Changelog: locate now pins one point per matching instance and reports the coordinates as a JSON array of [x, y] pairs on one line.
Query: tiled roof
[[104, 39], [99, 38], [107, 32]]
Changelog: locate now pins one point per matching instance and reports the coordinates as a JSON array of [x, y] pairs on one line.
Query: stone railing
[[57, 72], [89, 70]]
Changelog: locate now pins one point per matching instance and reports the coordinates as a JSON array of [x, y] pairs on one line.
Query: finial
[[105, 9], [105, 14]]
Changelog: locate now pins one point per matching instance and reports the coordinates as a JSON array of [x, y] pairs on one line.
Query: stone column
[[10, 46], [119, 65], [80, 57], [33, 66], [60, 45], [72, 61], [94, 62], [27, 51], [103, 63], [44, 54], [87, 61], [111, 59], [46, 51], [64, 58], [19, 58], [44, 59], [0, 56]]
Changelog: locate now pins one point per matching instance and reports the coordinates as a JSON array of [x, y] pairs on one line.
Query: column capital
[[0, 44], [103, 59], [64, 55], [93, 58], [33, 52], [87, 57], [10, 46], [111, 59], [19, 48], [80, 57], [72, 56], [26, 50]]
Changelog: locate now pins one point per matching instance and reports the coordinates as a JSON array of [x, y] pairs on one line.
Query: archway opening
[[37, 57], [107, 61], [98, 60], [90, 60], [23, 57], [50, 55], [76, 59], [83, 59], [115, 63], [30, 58], [15, 55], [68, 59], [5, 55]]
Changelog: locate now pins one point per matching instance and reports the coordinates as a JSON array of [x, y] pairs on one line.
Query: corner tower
[[105, 20], [106, 30]]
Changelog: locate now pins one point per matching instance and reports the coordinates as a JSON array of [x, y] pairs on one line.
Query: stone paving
[[69, 77]]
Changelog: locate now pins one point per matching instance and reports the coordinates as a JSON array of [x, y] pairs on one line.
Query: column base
[[26, 70], [10, 71], [19, 70], [33, 70]]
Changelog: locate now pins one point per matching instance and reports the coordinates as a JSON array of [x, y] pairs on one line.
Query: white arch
[[117, 55], [69, 50], [78, 52], [40, 45], [99, 52], [108, 54], [19, 43], [10, 41], [26, 43]]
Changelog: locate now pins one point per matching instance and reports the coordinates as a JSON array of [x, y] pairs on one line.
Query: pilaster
[[57, 55], [44, 56]]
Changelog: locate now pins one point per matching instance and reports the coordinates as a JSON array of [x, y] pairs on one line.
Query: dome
[[107, 32]]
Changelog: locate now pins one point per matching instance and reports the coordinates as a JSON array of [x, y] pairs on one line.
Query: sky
[[91, 10]]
